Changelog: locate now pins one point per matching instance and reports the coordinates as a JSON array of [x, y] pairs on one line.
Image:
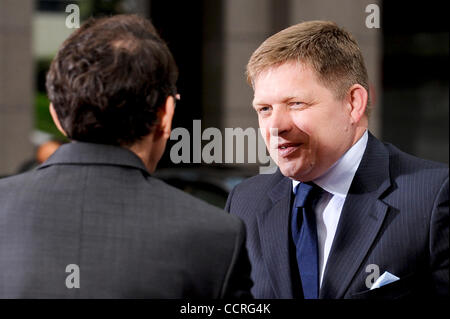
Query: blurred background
[[212, 40]]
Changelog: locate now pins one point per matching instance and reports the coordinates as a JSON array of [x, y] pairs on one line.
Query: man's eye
[[263, 109], [296, 104]]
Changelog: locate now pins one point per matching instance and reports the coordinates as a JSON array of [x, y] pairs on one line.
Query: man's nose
[[280, 121]]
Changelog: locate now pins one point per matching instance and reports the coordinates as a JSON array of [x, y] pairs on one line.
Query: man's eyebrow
[[299, 97], [284, 100], [256, 102], [289, 98]]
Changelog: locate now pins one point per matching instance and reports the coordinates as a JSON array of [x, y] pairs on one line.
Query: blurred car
[[211, 184]]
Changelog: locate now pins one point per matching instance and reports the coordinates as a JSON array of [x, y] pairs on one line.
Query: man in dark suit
[[345, 215], [91, 222]]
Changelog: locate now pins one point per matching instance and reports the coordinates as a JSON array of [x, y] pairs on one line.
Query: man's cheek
[[265, 133]]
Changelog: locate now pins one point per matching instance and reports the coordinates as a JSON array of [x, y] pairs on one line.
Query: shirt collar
[[338, 178], [94, 154]]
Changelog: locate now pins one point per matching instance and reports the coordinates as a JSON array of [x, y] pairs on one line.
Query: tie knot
[[306, 194]]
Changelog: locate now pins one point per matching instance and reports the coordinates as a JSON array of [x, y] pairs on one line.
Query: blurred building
[[31, 32], [16, 84], [212, 40]]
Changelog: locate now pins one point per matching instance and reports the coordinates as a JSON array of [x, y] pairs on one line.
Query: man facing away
[[345, 215], [91, 222]]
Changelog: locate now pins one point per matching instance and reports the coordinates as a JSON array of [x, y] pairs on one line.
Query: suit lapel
[[274, 236], [360, 221]]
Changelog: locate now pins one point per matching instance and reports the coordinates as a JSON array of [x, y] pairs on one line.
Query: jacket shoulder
[[258, 184], [405, 165], [417, 183], [9, 183], [253, 194], [193, 208]]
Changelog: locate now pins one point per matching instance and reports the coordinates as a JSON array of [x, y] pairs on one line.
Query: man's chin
[[288, 172], [295, 173]]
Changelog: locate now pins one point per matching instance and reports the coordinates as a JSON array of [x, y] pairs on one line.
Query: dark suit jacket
[[131, 235], [395, 216]]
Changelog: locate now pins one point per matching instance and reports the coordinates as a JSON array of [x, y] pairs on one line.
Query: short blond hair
[[331, 51]]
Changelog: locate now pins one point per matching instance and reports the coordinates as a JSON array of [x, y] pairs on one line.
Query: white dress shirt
[[336, 182]]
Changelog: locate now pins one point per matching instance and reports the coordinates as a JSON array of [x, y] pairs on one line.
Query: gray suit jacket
[[131, 235], [395, 216]]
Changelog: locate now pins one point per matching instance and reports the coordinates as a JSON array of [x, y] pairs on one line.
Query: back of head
[[331, 52], [109, 79]]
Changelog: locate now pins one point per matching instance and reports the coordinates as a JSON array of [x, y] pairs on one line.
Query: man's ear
[[165, 115], [56, 119], [357, 99]]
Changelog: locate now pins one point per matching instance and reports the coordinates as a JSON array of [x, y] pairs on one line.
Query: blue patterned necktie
[[304, 234]]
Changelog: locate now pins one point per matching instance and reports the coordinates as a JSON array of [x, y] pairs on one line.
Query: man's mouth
[[286, 149]]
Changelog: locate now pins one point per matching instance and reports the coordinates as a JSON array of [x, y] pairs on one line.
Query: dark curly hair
[[109, 79]]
